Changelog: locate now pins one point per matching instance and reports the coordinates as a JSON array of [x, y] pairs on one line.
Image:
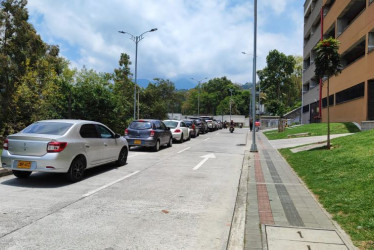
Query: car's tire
[[170, 144], [122, 157], [189, 137], [157, 146], [77, 168], [182, 139], [21, 174]]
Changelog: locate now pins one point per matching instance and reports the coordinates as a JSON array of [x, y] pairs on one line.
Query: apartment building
[[351, 92]]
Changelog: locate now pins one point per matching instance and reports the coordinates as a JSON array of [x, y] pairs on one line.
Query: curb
[[238, 223]]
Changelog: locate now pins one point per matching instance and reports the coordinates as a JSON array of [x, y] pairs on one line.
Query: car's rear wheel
[[170, 142], [76, 170], [157, 146], [21, 174], [181, 140], [122, 158]]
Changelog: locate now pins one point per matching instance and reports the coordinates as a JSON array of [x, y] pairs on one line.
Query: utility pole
[[254, 146]]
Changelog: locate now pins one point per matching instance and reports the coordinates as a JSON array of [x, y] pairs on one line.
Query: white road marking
[[108, 185], [206, 157], [183, 150], [217, 134], [206, 139]]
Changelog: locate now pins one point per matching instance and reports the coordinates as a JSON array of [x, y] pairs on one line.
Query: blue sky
[[195, 38]]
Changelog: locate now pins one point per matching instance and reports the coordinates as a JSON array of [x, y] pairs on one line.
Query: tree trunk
[[328, 114]]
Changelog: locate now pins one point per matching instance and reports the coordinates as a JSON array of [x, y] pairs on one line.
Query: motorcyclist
[[232, 126]]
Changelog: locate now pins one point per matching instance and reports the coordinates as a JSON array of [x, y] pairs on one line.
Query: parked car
[[193, 127], [179, 130], [211, 126], [62, 146], [203, 126], [220, 125], [148, 133]]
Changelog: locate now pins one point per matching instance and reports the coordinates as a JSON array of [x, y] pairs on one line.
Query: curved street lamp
[[198, 94], [136, 39]]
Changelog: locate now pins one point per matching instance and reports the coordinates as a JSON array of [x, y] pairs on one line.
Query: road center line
[[183, 150], [110, 184]]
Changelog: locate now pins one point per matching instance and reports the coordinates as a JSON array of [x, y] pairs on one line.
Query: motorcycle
[[231, 129]]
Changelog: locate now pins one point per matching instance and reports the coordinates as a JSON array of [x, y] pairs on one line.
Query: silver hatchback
[[62, 146]]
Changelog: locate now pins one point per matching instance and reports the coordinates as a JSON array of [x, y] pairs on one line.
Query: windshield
[[140, 125], [48, 128], [171, 124]]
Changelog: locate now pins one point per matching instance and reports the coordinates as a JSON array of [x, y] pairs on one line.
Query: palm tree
[[327, 64]]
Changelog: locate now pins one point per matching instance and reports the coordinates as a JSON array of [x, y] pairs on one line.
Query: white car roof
[[69, 121]]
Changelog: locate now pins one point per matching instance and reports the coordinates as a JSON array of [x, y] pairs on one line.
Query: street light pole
[[254, 146], [136, 39], [230, 102], [198, 94]]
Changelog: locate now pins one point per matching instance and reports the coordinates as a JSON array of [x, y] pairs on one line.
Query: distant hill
[[248, 85]]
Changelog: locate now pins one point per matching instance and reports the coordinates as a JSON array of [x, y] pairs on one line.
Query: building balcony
[[314, 39], [313, 17]]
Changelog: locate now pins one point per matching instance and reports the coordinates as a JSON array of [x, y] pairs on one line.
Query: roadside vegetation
[[342, 179], [313, 129]]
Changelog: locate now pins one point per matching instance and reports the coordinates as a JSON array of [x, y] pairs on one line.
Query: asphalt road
[[181, 197]]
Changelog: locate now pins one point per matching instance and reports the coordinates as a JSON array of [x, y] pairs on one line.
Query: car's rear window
[[188, 123], [140, 125], [48, 128], [171, 124]]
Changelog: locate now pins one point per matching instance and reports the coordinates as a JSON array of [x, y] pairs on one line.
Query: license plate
[[138, 142], [24, 164]]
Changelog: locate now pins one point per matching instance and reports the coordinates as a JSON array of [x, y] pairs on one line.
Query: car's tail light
[[55, 147], [126, 131], [152, 133], [5, 145], [177, 131]]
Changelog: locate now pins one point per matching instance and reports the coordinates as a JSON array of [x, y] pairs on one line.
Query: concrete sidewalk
[[280, 212]]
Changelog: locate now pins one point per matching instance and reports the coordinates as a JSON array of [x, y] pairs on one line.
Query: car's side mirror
[[117, 135], [167, 128]]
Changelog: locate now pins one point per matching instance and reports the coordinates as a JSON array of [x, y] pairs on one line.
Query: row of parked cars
[[72, 146]]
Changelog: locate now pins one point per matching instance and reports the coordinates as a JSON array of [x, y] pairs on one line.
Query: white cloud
[[195, 37]]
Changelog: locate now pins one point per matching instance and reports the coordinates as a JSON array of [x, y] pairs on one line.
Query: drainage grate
[[287, 238]]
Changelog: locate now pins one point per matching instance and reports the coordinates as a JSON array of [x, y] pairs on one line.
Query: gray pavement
[[280, 211]]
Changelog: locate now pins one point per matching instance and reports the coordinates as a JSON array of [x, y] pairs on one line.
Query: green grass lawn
[[343, 180], [314, 129]]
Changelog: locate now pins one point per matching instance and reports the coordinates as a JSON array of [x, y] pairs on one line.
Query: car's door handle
[[87, 146], [105, 144]]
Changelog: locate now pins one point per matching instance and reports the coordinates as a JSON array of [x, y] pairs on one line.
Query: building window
[[306, 108], [371, 40], [354, 53], [331, 101], [349, 14], [351, 93], [327, 6], [330, 32]]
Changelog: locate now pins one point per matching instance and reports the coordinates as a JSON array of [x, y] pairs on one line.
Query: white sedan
[[62, 146], [179, 130]]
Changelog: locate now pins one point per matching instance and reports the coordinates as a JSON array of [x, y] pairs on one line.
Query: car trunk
[[135, 133], [30, 145]]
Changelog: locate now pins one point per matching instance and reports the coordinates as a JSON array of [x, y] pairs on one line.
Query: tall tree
[[327, 64], [28, 69], [275, 80], [157, 98], [123, 92]]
